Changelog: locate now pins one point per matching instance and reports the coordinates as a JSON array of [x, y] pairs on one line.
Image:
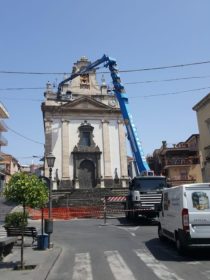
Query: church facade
[[85, 131]]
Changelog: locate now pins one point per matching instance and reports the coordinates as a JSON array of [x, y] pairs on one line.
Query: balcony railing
[[182, 161], [3, 126], [180, 181], [3, 141]]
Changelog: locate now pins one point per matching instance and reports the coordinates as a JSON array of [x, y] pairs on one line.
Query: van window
[[198, 199]]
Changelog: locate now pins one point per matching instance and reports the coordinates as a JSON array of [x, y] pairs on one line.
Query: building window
[[183, 174], [84, 81], [85, 141], [86, 135]]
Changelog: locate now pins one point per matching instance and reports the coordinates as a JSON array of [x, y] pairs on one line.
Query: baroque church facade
[[84, 130]]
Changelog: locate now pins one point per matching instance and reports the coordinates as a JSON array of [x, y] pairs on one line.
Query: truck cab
[[144, 197]]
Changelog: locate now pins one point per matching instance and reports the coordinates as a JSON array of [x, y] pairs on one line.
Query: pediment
[[85, 103]]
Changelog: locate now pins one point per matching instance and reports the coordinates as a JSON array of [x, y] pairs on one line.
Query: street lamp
[[49, 228]]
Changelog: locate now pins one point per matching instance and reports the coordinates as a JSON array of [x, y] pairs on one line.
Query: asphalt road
[[121, 251]]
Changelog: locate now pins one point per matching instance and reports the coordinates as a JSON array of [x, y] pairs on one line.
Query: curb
[[42, 271]]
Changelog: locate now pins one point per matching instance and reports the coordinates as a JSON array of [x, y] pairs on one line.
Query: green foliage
[[27, 190], [16, 219]]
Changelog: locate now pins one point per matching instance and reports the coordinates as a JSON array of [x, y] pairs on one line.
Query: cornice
[[202, 103]]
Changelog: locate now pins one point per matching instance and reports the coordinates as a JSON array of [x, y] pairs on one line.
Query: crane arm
[[83, 71]]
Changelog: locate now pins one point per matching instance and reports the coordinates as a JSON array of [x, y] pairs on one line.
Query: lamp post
[[50, 162]]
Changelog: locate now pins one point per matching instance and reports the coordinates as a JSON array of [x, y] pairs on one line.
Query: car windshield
[[149, 184]]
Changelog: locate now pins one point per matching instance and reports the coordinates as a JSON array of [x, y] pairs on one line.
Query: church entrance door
[[86, 175]]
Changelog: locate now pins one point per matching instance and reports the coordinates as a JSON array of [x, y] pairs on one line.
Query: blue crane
[[120, 93]]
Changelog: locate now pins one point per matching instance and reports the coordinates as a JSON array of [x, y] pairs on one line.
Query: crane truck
[[145, 189]]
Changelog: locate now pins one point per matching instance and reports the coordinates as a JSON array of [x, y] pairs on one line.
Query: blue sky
[[50, 35]]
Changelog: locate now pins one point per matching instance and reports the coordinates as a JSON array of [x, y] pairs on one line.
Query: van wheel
[[160, 234], [180, 246]]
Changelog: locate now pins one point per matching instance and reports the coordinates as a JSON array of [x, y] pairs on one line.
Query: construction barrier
[[91, 211], [66, 213]]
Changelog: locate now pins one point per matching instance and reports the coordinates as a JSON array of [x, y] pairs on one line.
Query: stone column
[[122, 152], [48, 143], [106, 150], [65, 150]]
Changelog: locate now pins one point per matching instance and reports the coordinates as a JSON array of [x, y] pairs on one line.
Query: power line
[[171, 93], [126, 83], [31, 73], [167, 80], [122, 71], [20, 88], [130, 97], [21, 135], [23, 99]]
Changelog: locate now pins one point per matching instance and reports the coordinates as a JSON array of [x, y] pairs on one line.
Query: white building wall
[[74, 139]]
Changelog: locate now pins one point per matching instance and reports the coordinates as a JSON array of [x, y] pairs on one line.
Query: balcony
[[3, 127], [181, 182], [181, 162], [3, 112], [207, 153], [3, 141]]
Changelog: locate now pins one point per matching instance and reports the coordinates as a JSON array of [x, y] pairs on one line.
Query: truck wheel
[[180, 246], [127, 215], [133, 216], [160, 234]]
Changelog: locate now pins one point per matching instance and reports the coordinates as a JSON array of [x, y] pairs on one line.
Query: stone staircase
[[85, 197], [5, 208]]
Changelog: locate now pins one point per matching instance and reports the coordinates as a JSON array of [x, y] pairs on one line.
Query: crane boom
[[119, 90]]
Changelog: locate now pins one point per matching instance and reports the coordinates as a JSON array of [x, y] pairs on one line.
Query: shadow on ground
[[166, 251], [140, 221]]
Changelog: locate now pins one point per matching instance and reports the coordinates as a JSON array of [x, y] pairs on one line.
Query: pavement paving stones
[[42, 260]]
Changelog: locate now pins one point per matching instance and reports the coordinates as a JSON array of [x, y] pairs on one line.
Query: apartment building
[[202, 109], [3, 142], [179, 163]]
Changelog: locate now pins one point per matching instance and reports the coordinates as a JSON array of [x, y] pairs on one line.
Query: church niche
[[86, 158]]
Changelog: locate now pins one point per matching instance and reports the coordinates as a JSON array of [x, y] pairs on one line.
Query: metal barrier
[[83, 208]]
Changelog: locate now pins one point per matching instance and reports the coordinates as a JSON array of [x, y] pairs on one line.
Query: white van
[[185, 215]]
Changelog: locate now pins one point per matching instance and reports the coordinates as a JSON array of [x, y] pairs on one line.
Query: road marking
[[193, 262], [118, 266], [130, 230], [206, 274], [82, 267], [159, 269]]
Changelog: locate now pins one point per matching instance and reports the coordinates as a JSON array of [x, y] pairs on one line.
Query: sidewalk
[[43, 260]]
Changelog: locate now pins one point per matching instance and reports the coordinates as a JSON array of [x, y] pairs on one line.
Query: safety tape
[[68, 213], [114, 199]]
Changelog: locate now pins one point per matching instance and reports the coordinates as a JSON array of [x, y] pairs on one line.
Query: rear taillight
[[185, 219]]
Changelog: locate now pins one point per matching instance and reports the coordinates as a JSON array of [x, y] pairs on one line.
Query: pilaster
[[106, 149], [48, 142], [65, 149]]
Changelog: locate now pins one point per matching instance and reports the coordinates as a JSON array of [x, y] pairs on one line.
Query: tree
[[29, 191]]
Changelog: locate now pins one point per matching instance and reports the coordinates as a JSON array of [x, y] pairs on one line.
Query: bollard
[[105, 202]]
